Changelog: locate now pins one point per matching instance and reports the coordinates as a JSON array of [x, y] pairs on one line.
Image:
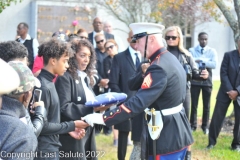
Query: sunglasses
[[98, 42], [107, 48], [171, 37]]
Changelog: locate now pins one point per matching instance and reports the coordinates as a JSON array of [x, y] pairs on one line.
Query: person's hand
[[232, 94], [36, 104], [104, 83], [78, 133], [102, 108], [80, 124], [95, 118], [204, 74], [145, 67]]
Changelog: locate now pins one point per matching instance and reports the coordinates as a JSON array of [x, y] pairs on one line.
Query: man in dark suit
[[98, 28], [228, 92], [123, 67]]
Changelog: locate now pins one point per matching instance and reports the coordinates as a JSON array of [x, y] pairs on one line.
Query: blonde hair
[[180, 35]]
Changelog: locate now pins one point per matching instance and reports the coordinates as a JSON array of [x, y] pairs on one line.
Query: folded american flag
[[106, 99]]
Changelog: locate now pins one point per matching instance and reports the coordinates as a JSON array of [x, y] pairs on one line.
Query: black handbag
[[187, 68]]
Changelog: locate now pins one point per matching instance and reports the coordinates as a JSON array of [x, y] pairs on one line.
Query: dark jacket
[[48, 141], [122, 69], [100, 57], [107, 36], [15, 136], [36, 120], [229, 74], [163, 88], [72, 99], [189, 60], [107, 63]]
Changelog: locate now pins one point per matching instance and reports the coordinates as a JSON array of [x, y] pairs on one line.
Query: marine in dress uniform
[[164, 90]]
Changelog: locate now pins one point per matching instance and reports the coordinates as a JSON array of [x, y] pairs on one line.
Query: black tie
[[137, 60], [202, 50]]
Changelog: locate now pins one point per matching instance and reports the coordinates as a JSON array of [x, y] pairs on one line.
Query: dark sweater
[[48, 141], [15, 136]]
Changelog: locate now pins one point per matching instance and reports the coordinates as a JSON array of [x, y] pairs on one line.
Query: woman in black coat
[[74, 89], [174, 39]]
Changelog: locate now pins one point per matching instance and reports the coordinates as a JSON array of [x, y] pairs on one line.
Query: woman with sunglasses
[[174, 38], [111, 49]]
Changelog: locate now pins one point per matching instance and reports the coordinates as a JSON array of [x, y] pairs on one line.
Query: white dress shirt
[[132, 52], [89, 94]]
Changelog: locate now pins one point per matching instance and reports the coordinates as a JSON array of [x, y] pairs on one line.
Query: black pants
[[206, 95], [186, 103], [122, 144], [217, 122]]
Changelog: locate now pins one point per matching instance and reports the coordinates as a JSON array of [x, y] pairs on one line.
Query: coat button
[[77, 81], [117, 110], [105, 117], [111, 113], [79, 98]]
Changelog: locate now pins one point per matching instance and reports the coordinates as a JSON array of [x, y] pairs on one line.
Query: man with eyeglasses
[[161, 96], [98, 28], [204, 56]]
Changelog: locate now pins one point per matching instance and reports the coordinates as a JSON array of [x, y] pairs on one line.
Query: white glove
[[95, 118], [147, 111]]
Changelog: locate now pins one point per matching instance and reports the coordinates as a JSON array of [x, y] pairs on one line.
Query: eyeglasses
[[107, 48], [82, 37], [171, 37], [98, 42]]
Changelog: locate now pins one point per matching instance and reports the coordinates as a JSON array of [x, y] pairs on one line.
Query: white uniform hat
[[143, 29]]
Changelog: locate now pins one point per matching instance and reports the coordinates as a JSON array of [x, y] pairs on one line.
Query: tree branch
[[228, 15]]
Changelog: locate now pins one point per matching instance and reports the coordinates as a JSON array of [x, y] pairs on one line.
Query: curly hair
[[11, 50], [54, 48], [73, 65]]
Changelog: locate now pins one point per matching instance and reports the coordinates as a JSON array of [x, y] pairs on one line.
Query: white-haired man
[[161, 95]]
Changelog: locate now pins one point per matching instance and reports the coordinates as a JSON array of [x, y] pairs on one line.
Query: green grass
[[220, 152]]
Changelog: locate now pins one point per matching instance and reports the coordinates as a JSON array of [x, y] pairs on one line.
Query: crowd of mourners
[[70, 70]]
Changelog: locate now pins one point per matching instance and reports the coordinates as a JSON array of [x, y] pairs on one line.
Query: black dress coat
[[122, 69], [107, 63], [107, 36], [229, 75], [72, 99]]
